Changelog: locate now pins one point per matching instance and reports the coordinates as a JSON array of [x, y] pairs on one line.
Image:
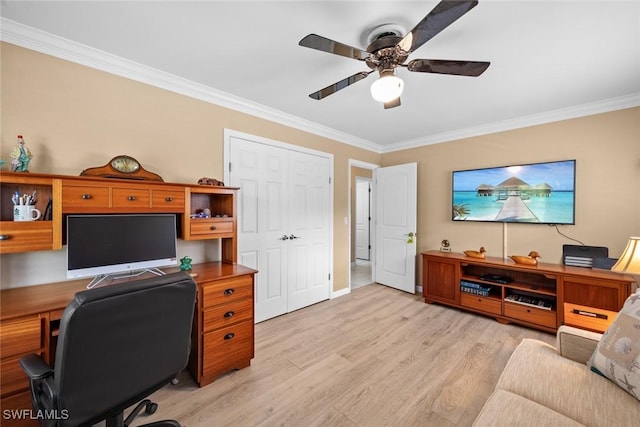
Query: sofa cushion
[[537, 372], [504, 408], [617, 355]]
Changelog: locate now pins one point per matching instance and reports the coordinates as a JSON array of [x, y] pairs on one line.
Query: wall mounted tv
[[542, 193], [102, 245]]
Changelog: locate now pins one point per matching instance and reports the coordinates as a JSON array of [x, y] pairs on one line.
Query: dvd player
[[496, 278]]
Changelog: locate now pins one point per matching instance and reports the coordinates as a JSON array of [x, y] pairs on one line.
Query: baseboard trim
[[340, 293]]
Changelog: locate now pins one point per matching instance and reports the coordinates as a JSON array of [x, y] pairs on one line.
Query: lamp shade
[[387, 88], [629, 261]]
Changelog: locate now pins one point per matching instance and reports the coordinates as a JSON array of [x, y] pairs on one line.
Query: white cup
[[25, 213]]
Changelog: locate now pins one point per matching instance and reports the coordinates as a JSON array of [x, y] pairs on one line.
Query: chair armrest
[[576, 344], [35, 367]]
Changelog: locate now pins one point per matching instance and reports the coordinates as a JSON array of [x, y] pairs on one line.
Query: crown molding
[[60, 47], [41, 41], [597, 107]]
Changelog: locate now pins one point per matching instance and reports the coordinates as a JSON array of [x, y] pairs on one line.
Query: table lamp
[[629, 261]]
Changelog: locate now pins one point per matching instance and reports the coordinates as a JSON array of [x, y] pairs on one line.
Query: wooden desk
[[222, 333]]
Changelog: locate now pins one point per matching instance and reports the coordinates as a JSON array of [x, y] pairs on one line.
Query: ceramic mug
[[25, 213]]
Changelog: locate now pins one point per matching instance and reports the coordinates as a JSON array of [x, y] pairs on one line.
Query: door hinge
[[329, 180], [329, 276], [229, 166]]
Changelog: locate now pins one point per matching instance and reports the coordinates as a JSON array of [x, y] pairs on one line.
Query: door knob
[[293, 237], [284, 237]]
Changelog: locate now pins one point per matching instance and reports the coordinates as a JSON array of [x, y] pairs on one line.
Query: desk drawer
[[488, 305], [582, 316], [12, 377], [82, 198], [227, 291], [227, 349], [131, 198], [20, 336], [26, 236], [167, 201], [211, 226], [530, 314], [227, 314]]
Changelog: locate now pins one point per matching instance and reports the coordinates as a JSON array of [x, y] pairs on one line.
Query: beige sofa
[[545, 386]]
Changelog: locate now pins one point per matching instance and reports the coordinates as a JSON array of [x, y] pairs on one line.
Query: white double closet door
[[284, 228]]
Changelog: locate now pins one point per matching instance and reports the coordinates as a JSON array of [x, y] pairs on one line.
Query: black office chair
[[117, 345]]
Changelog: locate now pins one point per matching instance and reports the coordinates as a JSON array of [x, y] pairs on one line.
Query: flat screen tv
[[102, 245], [542, 193]]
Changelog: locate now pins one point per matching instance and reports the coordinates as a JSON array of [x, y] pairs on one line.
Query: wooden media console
[[543, 297]]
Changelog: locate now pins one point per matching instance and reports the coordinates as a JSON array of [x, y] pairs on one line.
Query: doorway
[[362, 242], [393, 226], [362, 219]]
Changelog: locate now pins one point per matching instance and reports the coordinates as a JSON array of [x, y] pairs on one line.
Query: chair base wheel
[[150, 408]]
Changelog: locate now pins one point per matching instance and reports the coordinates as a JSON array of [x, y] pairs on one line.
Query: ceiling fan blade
[[324, 44], [443, 15], [443, 66], [392, 104], [331, 89]]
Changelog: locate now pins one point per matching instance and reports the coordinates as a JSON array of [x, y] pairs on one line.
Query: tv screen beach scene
[[532, 193]]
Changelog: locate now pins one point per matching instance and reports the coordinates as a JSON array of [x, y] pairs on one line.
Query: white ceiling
[[550, 60]]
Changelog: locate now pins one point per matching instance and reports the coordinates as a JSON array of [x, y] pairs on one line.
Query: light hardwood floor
[[375, 357]]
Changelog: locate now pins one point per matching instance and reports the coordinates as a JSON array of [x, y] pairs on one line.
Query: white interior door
[[396, 209], [261, 173], [309, 241], [363, 218], [284, 228]]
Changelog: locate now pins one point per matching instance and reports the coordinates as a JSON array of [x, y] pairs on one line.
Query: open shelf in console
[[522, 280], [530, 299], [528, 295], [483, 289]]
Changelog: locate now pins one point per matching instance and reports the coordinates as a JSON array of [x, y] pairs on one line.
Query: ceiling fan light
[[387, 88]]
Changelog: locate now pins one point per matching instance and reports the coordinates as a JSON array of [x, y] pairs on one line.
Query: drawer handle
[[132, 198], [589, 314], [213, 227], [229, 314], [4, 237], [87, 197], [229, 291], [479, 299], [229, 336], [168, 199]]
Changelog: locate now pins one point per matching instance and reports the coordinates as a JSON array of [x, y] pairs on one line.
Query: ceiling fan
[[389, 51]]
